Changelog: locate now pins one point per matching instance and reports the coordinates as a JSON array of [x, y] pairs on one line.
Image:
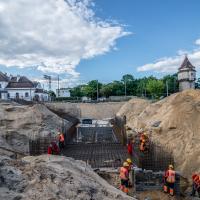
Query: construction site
[[96, 136]]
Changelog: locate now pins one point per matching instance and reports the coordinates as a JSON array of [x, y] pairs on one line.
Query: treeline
[[149, 87]]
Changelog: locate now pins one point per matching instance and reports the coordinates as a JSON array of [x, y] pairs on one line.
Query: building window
[[17, 95], [26, 94]]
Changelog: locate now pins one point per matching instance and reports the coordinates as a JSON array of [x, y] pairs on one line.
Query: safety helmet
[[145, 134], [171, 166], [129, 161], [125, 164]]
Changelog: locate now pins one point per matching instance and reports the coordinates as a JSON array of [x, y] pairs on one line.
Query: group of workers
[[58, 145], [169, 175], [143, 146]]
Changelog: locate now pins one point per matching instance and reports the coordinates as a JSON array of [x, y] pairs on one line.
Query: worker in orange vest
[[61, 140], [124, 177], [169, 180], [129, 161], [144, 142], [195, 184]]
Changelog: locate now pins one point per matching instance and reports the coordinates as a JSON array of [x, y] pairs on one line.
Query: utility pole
[[125, 86], [49, 79], [167, 88], [58, 86], [97, 90]]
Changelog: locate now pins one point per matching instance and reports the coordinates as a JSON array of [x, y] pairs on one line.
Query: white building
[[63, 92], [186, 75], [20, 87], [3, 83]]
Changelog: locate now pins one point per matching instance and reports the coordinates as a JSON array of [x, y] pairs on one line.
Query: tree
[[155, 87], [76, 91], [129, 84], [106, 90], [171, 84], [52, 95], [91, 89]]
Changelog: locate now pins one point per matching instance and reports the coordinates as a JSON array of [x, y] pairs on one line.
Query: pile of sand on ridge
[[53, 177], [19, 123], [132, 109], [174, 122]]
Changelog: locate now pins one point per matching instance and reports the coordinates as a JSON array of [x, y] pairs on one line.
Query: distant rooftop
[[3, 77], [186, 64], [20, 82]]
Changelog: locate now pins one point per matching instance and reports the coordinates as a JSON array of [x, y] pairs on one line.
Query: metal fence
[[98, 155], [157, 158]]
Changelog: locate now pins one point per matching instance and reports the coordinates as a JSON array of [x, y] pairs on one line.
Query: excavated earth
[[53, 178], [173, 122], [19, 123]]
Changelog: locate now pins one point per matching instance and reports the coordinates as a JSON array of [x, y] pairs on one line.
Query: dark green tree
[[171, 84], [155, 88]]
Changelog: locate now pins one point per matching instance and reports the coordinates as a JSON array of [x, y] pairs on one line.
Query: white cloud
[[53, 35], [171, 64], [197, 42]]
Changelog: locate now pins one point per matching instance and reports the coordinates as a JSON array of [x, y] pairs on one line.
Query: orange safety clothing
[[170, 176], [61, 137], [142, 145], [124, 175]]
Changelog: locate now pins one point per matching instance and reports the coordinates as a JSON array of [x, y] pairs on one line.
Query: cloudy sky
[[83, 40]]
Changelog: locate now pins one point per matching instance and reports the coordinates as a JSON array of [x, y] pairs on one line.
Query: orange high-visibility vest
[[196, 179], [142, 145], [123, 173], [171, 176], [62, 138]]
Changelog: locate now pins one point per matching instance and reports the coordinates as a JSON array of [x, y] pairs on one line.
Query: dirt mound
[[132, 109], [53, 177], [19, 123], [174, 122]]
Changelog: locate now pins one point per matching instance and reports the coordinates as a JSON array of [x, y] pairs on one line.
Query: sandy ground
[[19, 123], [53, 178], [174, 122]]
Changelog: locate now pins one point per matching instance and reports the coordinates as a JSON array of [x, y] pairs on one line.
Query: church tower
[[186, 75]]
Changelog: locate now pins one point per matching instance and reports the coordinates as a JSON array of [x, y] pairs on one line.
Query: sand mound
[[19, 123], [53, 177], [174, 122]]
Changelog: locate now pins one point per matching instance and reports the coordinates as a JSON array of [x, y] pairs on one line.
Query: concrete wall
[[88, 110], [184, 85]]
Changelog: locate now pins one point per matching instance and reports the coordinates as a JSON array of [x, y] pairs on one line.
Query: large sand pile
[[53, 177], [19, 123], [174, 122]]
